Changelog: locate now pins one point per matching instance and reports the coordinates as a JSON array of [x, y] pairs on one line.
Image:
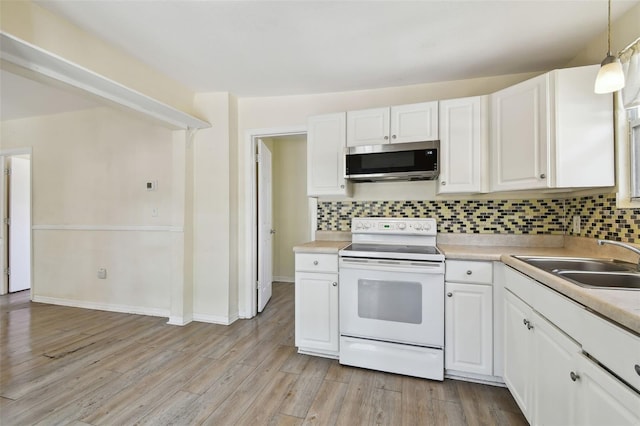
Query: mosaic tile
[[600, 218]]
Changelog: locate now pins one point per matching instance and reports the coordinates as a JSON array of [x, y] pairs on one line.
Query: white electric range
[[392, 297]]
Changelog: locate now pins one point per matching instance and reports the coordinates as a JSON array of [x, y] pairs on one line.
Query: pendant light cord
[[609, 31]]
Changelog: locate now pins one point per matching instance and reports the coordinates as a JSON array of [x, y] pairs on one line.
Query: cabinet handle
[[527, 323], [315, 262], [341, 186], [386, 138], [335, 284], [542, 176], [469, 272], [393, 137], [451, 295], [574, 376], [443, 183], [637, 367]]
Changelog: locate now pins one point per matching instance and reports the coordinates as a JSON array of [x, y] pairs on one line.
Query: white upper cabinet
[[552, 131], [397, 124], [325, 155], [414, 122], [368, 126], [464, 137]]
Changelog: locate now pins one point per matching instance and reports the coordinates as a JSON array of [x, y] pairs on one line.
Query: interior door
[[265, 226], [20, 224]]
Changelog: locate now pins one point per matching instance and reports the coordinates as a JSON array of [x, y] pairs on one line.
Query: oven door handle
[[391, 265]]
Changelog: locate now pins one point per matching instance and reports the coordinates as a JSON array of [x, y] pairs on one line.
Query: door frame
[[248, 305], [4, 282]]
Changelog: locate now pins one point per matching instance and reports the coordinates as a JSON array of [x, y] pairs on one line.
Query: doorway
[[15, 209], [269, 242]]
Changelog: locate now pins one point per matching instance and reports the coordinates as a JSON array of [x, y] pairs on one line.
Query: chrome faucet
[[623, 245]]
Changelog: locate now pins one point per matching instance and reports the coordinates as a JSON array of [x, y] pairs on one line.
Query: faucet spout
[[623, 245]]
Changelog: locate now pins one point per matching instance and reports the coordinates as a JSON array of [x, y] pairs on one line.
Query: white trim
[[247, 308], [139, 228], [215, 319], [127, 309], [45, 63], [282, 279], [16, 151]]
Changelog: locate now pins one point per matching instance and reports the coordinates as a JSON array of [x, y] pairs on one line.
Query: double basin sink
[[589, 272]]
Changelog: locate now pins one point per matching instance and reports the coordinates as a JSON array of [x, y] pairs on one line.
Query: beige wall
[[91, 208], [38, 26], [214, 222], [623, 31], [290, 205]]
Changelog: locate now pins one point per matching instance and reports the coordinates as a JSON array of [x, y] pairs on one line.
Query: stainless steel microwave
[[400, 161]]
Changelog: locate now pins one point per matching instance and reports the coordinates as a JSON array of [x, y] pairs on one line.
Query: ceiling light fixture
[[610, 77]]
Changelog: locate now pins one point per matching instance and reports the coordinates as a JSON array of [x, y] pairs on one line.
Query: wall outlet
[[102, 273], [576, 224]]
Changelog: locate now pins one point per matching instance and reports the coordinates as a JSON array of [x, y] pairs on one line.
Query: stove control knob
[[367, 225], [401, 225], [358, 225], [427, 227], [417, 226]]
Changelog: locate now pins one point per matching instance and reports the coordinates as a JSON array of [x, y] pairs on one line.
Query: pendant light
[[610, 77]]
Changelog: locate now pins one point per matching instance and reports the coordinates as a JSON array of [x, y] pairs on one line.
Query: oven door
[[392, 300]]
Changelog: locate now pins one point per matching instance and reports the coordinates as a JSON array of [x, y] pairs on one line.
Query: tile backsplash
[[599, 216]]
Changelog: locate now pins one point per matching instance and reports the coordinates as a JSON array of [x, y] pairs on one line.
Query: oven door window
[[398, 301]]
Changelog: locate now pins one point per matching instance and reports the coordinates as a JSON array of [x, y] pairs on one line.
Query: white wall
[[91, 208]]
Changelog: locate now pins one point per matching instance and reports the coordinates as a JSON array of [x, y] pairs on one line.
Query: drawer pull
[[451, 295], [637, 367], [469, 272], [315, 262], [335, 284], [574, 376]]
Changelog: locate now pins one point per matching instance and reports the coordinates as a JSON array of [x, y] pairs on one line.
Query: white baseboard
[[126, 309], [284, 279], [176, 320], [215, 319]]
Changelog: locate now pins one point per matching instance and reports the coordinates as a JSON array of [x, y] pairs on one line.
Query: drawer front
[[615, 348], [464, 271], [320, 262]]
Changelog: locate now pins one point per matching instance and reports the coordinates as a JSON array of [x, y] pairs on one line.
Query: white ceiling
[[261, 48]]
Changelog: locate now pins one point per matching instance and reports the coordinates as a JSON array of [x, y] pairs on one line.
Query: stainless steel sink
[[551, 264], [589, 272], [618, 280]]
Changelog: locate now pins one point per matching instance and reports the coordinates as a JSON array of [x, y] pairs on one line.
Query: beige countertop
[[620, 306], [321, 246]]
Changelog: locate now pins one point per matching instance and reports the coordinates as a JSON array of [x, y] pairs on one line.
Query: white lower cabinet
[[468, 328], [549, 374], [316, 305], [469, 319]]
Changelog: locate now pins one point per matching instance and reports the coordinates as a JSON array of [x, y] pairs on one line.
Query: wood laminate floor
[[61, 365]]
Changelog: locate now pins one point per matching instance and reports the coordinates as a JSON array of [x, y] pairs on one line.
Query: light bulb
[[610, 77]]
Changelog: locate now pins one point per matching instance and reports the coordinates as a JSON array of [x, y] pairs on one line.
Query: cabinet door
[[325, 155], [518, 340], [368, 127], [520, 136], [554, 358], [604, 400], [468, 328], [414, 122], [463, 144], [316, 312]]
